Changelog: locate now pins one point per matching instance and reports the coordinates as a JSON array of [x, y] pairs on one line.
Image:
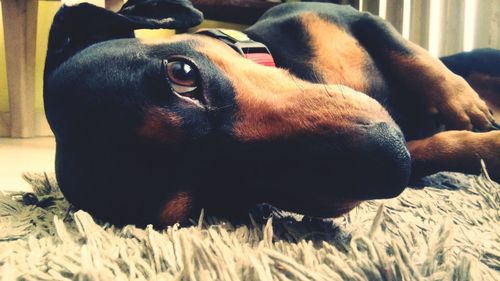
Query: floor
[[18, 156]]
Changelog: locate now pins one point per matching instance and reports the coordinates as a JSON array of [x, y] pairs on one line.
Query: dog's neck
[[241, 43]]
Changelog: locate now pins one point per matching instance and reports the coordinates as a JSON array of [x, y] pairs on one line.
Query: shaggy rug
[[424, 234]]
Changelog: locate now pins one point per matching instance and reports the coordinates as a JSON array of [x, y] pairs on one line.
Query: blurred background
[[442, 26]]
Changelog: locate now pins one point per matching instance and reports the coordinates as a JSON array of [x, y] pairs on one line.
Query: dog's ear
[[172, 14], [76, 27]]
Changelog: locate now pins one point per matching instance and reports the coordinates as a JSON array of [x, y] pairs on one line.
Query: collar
[[242, 44]]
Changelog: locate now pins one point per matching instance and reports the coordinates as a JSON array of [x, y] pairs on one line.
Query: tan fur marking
[[274, 104], [175, 209], [161, 125], [458, 151], [337, 56]]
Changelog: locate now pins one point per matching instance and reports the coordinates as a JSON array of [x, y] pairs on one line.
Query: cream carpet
[[424, 234]]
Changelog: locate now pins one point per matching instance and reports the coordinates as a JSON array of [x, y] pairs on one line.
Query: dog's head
[[151, 131]]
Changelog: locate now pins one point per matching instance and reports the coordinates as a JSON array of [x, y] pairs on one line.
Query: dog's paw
[[459, 106]]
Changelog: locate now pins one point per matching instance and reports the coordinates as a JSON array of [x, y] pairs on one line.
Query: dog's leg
[[480, 68], [439, 90], [457, 151]]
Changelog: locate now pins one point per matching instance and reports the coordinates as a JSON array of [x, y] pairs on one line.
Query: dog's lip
[[338, 209]]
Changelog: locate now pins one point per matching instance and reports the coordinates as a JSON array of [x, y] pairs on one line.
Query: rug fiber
[[424, 234]]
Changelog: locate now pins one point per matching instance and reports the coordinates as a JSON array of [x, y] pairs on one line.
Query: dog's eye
[[182, 76]]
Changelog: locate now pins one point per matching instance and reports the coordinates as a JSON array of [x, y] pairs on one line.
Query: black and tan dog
[[151, 131]]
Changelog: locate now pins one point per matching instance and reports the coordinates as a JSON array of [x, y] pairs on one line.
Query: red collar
[[242, 44]]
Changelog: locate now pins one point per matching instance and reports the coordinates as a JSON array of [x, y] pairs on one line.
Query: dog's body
[[153, 131]]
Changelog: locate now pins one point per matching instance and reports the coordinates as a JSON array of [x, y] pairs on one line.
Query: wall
[[4, 99]]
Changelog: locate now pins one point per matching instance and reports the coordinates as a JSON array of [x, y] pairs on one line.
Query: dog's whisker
[[211, 109], [319, 80], [326, 90], [340, 88], [297, 84]]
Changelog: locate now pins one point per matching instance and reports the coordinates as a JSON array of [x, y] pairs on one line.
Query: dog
[[152, 131]]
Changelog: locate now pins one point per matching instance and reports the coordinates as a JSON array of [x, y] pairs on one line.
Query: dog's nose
[[380, 161]]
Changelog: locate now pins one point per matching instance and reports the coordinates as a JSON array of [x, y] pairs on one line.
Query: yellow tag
[[235, 34]]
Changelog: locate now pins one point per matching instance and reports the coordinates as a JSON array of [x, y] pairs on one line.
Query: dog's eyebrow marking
[[161, 125]]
